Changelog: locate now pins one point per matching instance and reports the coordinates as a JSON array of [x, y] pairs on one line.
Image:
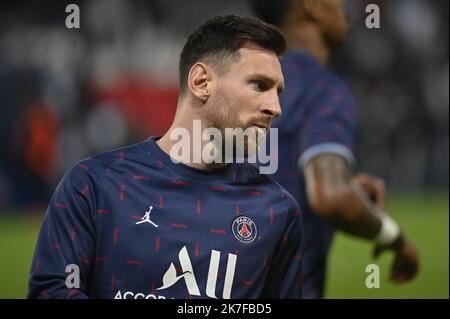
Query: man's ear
[[198, 79]]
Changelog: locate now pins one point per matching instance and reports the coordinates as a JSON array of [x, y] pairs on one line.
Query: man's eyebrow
[[270, 80]]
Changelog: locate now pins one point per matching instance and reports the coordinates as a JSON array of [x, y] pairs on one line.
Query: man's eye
[[260, 86]]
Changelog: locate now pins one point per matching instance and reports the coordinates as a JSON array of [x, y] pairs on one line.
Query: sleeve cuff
[[326, 148]]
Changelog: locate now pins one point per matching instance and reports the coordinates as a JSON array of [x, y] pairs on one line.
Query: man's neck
[[184, 119], [307, 37]]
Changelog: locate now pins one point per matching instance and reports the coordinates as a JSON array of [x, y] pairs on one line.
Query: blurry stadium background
[[66, 94]]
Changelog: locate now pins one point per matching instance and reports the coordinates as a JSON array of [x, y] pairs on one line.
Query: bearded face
[[242, 133], [245, 99]]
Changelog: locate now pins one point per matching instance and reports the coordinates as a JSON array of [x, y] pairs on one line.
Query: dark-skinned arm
[[331, 196], [355, 205]]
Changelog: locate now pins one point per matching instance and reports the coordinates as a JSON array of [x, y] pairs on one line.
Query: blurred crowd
[[66, 94]]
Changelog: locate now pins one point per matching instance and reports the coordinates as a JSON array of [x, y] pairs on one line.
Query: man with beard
[[134, 223], [316, 143]]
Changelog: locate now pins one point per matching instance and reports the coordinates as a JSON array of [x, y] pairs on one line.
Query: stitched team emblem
[[244, 229]]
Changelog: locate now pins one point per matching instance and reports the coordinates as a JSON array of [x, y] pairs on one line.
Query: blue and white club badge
[[244, 229]]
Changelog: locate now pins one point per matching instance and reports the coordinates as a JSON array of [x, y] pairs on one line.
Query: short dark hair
[[271, 11], [219, 38]]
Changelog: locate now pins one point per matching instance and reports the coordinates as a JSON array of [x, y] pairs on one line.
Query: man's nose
[[273, 107]]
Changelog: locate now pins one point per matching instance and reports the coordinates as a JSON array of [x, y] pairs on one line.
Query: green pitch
[[425, 221]]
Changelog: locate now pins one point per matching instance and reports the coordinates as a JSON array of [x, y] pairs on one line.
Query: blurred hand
[[406, 261], [374, 188]]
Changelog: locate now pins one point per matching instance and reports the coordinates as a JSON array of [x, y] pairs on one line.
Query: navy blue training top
[[133, 224]]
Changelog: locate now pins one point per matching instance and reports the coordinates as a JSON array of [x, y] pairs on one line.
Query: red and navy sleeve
[[329, 121], [66, 239]]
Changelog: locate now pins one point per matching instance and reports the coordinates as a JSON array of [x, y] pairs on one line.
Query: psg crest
[[244, 229]]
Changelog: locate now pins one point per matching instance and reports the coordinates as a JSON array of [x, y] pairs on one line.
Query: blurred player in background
[[316, 143]]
